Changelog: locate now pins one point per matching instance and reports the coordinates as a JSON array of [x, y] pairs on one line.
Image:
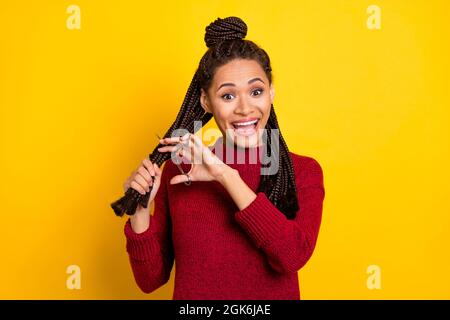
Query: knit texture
[[219, 251]]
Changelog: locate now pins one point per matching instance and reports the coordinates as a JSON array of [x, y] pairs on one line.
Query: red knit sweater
[[220, 252]]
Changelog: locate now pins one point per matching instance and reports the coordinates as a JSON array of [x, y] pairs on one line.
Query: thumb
[[179, 179]]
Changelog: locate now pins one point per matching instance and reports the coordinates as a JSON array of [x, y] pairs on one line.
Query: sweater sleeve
[[151, 252], [287, 244]]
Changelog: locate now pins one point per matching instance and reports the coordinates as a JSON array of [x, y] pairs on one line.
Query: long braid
[[190, 112], [224, 39], [280, 188]]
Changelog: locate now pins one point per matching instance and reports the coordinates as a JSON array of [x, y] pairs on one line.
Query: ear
[[272, 93], [204, 101]]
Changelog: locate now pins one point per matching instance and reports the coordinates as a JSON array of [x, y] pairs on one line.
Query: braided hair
[[225, 41]]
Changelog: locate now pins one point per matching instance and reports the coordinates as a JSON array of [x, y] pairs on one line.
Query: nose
[[243, 108]]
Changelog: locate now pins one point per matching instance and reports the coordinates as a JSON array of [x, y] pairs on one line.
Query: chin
[[247, 141]]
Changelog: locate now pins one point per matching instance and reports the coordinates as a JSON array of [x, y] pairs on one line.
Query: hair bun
[[225, 29]]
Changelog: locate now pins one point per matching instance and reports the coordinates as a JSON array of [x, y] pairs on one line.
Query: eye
[[259, 91], [226, 95]]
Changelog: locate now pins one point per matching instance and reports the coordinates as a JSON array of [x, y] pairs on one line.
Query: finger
[[196, 145], [137, 187], [186, 152], [144, 172], [186, 137], [149, 166], [140, 179], [171, 148], [163, 141], [167, 148], [196, 139], [203, 152], [179, 179], [174, 139]]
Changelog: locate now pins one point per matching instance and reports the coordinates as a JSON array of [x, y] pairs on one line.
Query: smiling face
[[240, 99]]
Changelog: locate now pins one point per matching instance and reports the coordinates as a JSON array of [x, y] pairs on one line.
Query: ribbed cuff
[[140, 246], [262, 220]]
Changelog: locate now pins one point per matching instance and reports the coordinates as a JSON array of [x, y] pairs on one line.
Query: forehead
[[238, 71]]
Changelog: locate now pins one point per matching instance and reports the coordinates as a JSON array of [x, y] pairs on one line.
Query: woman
[[234, 232]]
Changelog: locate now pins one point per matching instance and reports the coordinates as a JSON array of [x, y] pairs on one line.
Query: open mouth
[[246, 128]]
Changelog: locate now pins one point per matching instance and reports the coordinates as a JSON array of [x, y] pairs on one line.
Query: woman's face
[[240, 99]]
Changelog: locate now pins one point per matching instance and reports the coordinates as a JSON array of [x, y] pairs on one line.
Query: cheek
[[222, 115], [265, 107], [222, 118], [266, 112]]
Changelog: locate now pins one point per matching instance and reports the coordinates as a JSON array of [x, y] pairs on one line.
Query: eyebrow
[[233, 85]]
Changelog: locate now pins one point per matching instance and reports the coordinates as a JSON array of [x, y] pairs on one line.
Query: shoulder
[[307, 169], [303, 162]]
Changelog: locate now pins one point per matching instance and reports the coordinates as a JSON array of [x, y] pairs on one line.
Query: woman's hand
[[141, 181], [205, 165]]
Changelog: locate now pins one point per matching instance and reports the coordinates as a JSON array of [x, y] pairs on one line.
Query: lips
[[246, 127], [245, 123]]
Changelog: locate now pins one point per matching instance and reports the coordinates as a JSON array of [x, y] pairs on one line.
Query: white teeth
[[245, 123]]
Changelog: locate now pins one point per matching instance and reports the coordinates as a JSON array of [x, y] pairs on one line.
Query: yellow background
[[80, 108]]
